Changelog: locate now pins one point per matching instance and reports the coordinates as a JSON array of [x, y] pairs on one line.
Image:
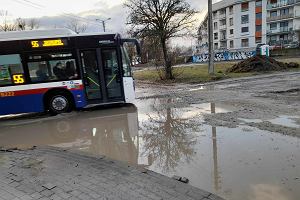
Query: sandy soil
[[255, 100]]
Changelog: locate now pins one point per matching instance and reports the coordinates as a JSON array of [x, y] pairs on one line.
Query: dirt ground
[[255, 100]]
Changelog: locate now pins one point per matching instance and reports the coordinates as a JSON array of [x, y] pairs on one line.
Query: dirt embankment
[[261, 64]]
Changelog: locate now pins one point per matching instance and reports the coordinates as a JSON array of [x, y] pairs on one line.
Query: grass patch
[[192, 74], [197, 73]]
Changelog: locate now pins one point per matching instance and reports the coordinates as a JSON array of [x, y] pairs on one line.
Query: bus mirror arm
[[137, 44]]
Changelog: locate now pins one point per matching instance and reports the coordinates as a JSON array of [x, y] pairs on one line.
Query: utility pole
[[103, 23], [211, 68]]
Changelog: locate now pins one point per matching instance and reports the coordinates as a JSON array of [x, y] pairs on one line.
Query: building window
[[258, 15], [231, 31], [245, 42], [223, 35], [245, 6], [273, 14], [231, 21], [216, 46], [231, 10], [214, 15], [245, 29], [245, 19], [284, 12], [223, 12], [223, 22], [273, 38], [215, 25], [273, 26], [258, 3], [284, 37], [231, 44], [258, 28], [284, 24], [215, 36], [258, 40], [223, 45]]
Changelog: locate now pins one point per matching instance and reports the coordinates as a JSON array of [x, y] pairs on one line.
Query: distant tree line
[[21, 24], [18, 24]]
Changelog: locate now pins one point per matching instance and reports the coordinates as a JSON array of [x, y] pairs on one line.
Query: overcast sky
[[57, 13]]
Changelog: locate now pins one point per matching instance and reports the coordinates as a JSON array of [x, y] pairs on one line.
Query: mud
[[260, 64], [265, 98], [268, 126]]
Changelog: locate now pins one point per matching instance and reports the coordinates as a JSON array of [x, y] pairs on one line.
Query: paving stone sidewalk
[[50, 173]]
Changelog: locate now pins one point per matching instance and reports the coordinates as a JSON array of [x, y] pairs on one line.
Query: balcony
[[280, 43], [222, 16], [223, 38], [280, 30], [282, 4], [297, 14], [222, 27], [280, 17]]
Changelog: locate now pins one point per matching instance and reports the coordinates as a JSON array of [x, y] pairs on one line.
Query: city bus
[[59, 71]]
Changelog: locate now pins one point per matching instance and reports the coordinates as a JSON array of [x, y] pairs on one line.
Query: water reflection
[[217, 185], [174, 140], [231, 162], [168, 138], [110, 132]]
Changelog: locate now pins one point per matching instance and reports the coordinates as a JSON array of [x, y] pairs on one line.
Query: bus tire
[[60, 103]]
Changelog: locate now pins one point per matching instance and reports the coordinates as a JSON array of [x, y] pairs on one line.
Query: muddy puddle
[[170, 137]]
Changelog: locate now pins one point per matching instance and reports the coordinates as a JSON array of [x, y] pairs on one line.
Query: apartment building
[[283, 22], [242, 24]]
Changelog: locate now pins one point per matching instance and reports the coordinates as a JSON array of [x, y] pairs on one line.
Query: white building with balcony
[[241, 25], [283, 22]]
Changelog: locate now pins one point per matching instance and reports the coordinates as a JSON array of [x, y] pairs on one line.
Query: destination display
[[48, 43]]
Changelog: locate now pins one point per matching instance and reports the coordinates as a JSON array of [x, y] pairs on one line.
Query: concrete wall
[[225, 56]]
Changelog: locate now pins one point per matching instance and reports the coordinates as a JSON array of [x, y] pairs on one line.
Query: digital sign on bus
[[48, 43]]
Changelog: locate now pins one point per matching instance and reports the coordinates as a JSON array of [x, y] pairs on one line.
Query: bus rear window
[[11, 70]]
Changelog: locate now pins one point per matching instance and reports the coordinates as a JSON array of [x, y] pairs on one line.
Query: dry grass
[[198, 73]]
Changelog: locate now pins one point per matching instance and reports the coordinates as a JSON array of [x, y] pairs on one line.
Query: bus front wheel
[[60, 103]]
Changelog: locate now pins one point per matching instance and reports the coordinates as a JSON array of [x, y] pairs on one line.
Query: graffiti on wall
[[225, 56]]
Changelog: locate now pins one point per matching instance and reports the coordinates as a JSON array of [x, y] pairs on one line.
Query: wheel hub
[[59, 103]]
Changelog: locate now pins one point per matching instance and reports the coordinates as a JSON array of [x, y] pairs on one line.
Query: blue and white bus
[[59, 70]]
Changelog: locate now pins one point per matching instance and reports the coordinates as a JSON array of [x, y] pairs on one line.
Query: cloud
[[118, 14], [116, 24]]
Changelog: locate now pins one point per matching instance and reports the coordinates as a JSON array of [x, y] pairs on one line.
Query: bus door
[[91, 75], [112, 74], [103, 82]]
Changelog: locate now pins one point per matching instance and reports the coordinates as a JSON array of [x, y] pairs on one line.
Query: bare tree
[[20, 24], [164, 19], [26, 24], [168, 137], [77, 26], [33, 24], [5, 24]]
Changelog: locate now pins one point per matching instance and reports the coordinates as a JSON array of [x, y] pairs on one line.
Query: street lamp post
[[211, 68], [103, 23]]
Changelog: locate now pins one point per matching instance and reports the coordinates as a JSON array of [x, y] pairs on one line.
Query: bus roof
[[40, 34]]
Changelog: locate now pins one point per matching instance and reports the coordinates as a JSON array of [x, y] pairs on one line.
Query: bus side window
[[38, 71], [11, 70], [53, 70]]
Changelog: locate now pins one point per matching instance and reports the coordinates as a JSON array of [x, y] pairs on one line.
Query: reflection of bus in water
[[109, 132]]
